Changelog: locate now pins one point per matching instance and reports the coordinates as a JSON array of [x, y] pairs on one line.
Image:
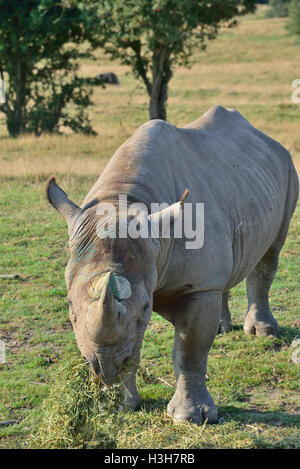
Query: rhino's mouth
[[111, 376], [111, 363], [107, 376], [111, 370]]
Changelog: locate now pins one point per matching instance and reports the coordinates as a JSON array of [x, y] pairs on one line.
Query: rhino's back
[[159, 160], [240, 174]]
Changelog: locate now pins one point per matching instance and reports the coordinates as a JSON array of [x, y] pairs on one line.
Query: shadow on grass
[[246, 416], [285, 332], [250, 416], [237, 327], [150, 405], [289, 333]]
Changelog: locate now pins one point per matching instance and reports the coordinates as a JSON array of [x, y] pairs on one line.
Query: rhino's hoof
[[132, 404], [262, 329], [225, 327], [198, 415]]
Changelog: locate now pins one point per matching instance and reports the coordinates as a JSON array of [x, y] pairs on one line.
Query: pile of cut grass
[[79, 412]]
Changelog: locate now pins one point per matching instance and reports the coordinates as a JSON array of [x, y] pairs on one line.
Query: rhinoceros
[[248, 186]]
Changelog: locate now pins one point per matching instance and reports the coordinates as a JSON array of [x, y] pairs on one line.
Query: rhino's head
[[109, 311], [110, 286]]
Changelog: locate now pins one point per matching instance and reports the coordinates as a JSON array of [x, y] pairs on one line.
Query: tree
[[294, 17], [152, 36], [39, 52]]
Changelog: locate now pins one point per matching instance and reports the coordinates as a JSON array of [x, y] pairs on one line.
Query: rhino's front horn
[[106, 319]]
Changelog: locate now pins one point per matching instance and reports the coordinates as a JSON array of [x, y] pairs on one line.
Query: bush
[[278, 9], [294, 17]]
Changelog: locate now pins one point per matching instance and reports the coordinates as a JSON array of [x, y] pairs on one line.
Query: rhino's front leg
[[132, 397], [196, 324]]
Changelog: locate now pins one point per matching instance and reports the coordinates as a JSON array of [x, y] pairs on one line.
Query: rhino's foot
[[132, 397], [224, 327], [198, 411], [261, 324], [132, 403]]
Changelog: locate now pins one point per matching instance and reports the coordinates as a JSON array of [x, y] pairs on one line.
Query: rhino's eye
[[146, 307]]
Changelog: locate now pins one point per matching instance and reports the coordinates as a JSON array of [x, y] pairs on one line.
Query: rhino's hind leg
[[196, 322], [259, 319], [225, 323]]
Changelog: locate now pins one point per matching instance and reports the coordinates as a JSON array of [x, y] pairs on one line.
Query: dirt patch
[[281, 400]]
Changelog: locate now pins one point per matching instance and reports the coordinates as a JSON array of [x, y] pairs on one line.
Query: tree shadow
[[289, 333], [237, 327], [227, 413], [250, 416], [285, 332], [150, 405]]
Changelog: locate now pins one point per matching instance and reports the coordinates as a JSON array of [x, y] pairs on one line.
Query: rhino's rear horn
[[169, 214], [59, 200]]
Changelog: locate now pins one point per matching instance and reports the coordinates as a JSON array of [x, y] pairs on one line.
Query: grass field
[[253, 381]]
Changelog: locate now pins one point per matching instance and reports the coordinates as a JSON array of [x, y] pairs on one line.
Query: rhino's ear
[[59, 200], [167, 215]]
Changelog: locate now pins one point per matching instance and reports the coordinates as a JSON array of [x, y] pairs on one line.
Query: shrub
[[278, 8], [294, 17]]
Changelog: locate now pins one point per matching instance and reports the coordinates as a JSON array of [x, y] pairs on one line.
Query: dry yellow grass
[[250, 68], [31, 156]]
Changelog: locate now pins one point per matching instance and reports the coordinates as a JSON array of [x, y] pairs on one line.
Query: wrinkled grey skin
[[249, 187]]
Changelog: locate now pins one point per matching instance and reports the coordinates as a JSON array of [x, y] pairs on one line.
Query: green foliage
[[152, 36], [294, 17], [278, 8], [39, 52]]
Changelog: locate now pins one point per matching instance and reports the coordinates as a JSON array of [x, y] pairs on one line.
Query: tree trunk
[[15, 117], [161, 74], [157, 107]]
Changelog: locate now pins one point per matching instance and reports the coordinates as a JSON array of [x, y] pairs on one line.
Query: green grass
[[253, 381]]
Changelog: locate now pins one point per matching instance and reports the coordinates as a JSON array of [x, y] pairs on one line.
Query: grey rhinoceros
[[249, 188]]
